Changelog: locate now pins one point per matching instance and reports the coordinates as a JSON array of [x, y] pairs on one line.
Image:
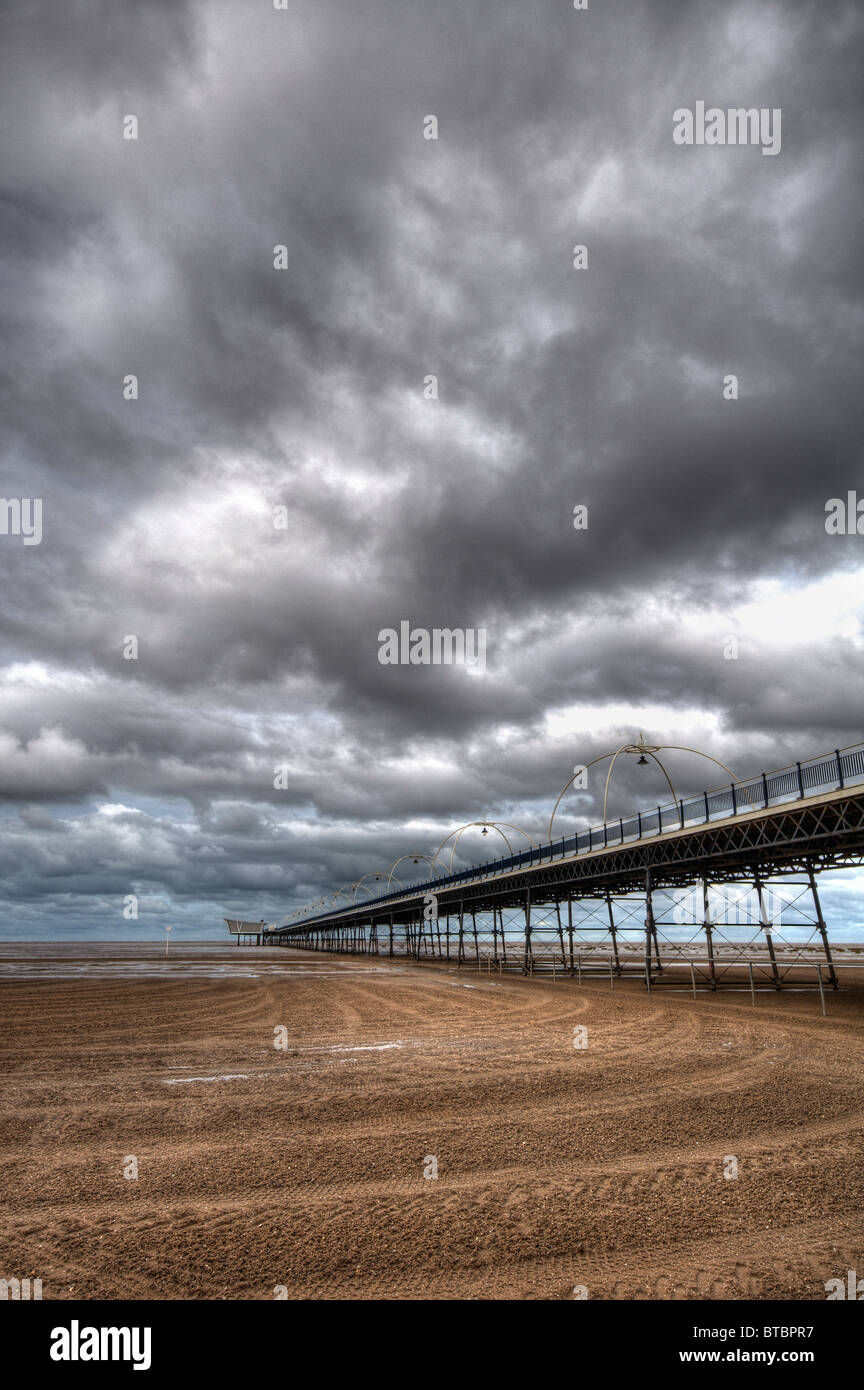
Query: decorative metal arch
[[359, 884], [643, 749], [430, 858], [489, 824]]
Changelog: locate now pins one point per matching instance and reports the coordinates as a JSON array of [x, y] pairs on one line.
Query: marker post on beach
[[821, 990], [167, 938]]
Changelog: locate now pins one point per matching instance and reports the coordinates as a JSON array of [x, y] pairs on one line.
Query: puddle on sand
[[169, 970], [250, 1076], [229, 1076]]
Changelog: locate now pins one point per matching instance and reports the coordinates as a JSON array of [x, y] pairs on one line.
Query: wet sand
[[303, 1169]]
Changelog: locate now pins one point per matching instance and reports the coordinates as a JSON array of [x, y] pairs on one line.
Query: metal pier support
[[650, 931], [767, 928], [709, 927], [613, 932], [823, 930]]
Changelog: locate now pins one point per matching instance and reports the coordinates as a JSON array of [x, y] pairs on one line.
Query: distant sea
[[66, 960], [136, 934]]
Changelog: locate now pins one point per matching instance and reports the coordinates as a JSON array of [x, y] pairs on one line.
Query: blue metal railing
[[832, 770]]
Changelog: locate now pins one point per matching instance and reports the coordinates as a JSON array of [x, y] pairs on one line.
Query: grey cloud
[[304, 388]]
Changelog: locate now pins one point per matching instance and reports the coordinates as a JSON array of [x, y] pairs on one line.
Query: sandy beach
[[299, 1168]]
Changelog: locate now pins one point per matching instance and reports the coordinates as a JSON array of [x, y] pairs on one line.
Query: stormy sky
[[283, 487]]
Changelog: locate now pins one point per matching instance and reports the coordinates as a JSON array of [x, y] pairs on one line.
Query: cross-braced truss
[[714, 900]]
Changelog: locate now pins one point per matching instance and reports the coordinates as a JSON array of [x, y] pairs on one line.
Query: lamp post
[[359, 884], [487, 826], [645, 751], [415, 857]]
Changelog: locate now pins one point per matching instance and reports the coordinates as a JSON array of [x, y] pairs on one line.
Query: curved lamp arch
[[568, 784], [359, 884], [430, 859], [487, 824], [643, 749]]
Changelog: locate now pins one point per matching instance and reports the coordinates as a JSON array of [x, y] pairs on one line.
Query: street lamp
[[415, 856], [358, 885], [487, 826], [643, 749]]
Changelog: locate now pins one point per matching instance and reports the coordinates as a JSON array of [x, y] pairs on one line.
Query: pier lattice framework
[[598, 901]]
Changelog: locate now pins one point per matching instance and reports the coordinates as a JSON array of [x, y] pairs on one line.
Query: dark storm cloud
[[304, 388]]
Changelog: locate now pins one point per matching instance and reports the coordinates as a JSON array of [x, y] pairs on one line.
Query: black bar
[[661, 1335]]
